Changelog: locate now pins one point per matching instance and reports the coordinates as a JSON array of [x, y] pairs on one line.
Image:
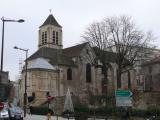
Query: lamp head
[[15, 47], [20, 20]]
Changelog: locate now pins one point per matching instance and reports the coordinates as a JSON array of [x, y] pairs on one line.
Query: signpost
[[123, 98]]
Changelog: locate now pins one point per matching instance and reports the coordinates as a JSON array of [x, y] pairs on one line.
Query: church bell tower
[[50, 34]]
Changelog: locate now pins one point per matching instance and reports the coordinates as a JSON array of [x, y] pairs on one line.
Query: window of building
[[42, 38], [103, 69], [69, 74], [57, 38], [45, 37], [88, 72], [53, 37], [148, 82], [104, 86]]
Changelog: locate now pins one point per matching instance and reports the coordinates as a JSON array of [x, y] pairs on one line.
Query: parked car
[[4, 114], [16, 113]]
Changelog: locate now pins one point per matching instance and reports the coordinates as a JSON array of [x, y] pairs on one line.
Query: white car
[[4, 114]]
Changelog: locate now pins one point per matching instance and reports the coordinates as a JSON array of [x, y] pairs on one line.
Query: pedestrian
[[9, 114], [31, 110]]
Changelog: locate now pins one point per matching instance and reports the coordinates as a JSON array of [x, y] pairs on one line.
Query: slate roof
[[64, 56], [40, 63], [74, 50], [54, 55], [110, 56], [51, 21]]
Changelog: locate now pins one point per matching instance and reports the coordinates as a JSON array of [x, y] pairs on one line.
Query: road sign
[[50, 98], [123, 101], [123, 98], [123, 93], [1, 106]]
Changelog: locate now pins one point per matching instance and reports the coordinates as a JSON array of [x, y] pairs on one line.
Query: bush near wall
[[40, 110], [102, 111], [108, 111]]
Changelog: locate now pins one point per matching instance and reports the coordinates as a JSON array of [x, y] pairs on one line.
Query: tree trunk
[[119, 71]]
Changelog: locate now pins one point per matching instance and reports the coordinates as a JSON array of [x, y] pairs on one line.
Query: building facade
[[53, 69]]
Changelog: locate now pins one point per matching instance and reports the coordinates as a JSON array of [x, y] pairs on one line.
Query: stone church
[[53, 69]]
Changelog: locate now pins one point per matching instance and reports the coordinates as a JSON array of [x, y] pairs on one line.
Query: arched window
[[42, 38], [53, 37], [69, 74], [57, 38], [88, 72], [45, 37]]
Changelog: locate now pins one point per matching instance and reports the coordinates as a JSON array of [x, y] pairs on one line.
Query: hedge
[[104, 111], [40, 110]]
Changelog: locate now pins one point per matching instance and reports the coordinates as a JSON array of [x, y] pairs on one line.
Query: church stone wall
[[40, 82]]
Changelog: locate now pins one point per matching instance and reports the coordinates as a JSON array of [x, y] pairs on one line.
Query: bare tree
[[122, 34]]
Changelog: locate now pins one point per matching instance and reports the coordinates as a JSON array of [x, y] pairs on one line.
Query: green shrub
[[138, 112], [104, 111], [81, 109], [40, 110], [81, 116]]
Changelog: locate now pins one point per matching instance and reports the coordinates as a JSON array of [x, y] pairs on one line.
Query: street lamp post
[[2, 48], [25, 79]]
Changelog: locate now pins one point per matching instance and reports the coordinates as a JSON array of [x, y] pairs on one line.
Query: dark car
[[16, 113]]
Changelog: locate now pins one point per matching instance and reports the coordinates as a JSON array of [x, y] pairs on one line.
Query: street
[[40, 117]]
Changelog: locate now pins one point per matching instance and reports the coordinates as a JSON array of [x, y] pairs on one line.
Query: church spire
[[50, 34], [51, 21]]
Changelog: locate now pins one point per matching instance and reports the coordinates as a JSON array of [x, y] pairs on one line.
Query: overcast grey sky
[[73, 15]]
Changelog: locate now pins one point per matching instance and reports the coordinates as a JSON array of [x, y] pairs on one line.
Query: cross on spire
[[50, 10]]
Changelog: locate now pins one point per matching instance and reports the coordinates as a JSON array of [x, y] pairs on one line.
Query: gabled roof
[[40, 63], [51, 21], [74, 50], [110, 56], [55, 56]]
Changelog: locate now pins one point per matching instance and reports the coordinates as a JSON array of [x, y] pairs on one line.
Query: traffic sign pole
[[1, 106]]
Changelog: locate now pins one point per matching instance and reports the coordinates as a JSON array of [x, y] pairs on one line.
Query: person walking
[[31, 109]]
